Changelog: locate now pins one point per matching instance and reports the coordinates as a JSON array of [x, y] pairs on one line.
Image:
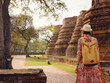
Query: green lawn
[[34, 61], [18, 55]]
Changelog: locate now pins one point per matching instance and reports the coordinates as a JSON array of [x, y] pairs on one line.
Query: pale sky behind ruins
[[74, 8]]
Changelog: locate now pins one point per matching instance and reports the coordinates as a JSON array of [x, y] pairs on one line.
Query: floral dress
[[87, 74]]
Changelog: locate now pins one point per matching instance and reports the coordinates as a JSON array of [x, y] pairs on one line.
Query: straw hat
[[87, 28]]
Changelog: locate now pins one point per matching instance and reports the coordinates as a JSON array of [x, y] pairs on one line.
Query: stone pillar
[[99, 18], [71, 51], [53, 40], [64, 36]]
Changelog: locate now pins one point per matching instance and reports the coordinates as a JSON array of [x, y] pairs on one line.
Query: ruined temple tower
[[99, 18], [71, 51], [53, 40], [64, 35]]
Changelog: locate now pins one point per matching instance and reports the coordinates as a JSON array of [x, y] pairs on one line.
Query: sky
[[74, 8]]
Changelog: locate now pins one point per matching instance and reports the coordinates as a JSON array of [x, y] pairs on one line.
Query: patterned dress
[[87, 74]]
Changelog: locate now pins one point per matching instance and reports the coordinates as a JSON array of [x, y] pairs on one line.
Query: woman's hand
[[76, 71]]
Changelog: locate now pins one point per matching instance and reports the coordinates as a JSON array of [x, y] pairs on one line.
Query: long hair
[[85, 32]]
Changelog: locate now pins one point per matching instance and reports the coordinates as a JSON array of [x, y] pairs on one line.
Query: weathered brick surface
[[73, 61], [71, 50], [99, 18], [53, 40], [64, 60], [105, 75], [22, 76], [64, 36], [105, 63]]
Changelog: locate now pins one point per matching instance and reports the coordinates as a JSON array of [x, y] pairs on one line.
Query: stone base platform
[[105, 66], [22, 76], [73, 61]]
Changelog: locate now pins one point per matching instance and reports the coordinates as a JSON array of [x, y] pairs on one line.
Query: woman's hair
[[85, 32]]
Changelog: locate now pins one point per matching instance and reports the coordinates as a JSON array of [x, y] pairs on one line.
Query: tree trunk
[[7, 34], [26, 48], [2, 58]]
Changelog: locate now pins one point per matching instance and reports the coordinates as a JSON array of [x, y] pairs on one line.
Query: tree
[[46, 33], [39, 45], [26, 32], [48, 8], [34, 45], [2, 58], [5, 62], [29, 34], [5, 23], [42, 45], [16, 41]]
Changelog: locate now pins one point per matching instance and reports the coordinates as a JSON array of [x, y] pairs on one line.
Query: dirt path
[[54, 75]]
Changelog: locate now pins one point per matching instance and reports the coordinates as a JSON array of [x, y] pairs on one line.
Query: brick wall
[[22, 76], [64, 60], [73, 61], [105, 75]]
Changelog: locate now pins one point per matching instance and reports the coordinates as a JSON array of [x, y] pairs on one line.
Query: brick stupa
[[65, 35], [71, 51], [53, 40], [99, 18]]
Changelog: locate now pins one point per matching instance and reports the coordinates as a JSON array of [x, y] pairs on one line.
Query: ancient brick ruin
[[71, 51], [22, 76], [53, 40], [99, 18], [105, 75], [64, 36]]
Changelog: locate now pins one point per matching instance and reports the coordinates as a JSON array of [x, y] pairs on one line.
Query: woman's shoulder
[[79, 40]]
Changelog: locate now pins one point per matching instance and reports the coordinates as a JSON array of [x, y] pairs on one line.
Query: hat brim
[[86, 30]]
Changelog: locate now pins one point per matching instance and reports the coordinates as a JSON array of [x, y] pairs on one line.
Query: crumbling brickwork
[[53, 40], [64, 36], [22, 76], [99, 18], [71, 50]]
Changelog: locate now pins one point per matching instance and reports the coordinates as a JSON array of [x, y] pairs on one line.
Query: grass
[[59, 56], [34, 61], [65, 67], [18, 55]]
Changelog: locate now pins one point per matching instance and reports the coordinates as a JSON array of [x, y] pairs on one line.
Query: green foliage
[[22, 25], [22, 32], [37, 45], [34, 61], [16, 41], [21, 21], [33, 46], [42, 45], [46, 33]]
